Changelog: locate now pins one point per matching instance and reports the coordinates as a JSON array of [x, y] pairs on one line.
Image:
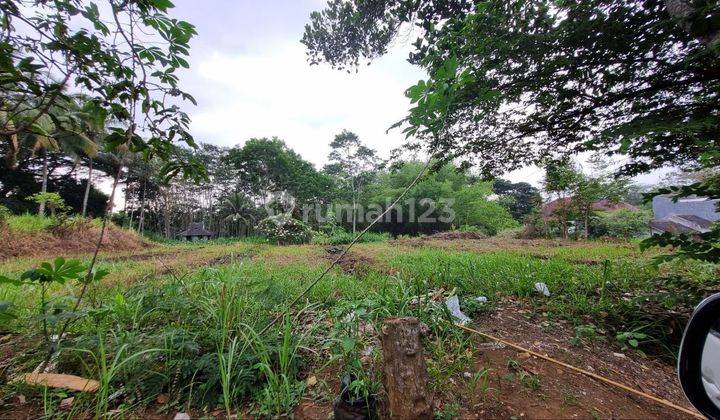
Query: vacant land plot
[[174, 328]]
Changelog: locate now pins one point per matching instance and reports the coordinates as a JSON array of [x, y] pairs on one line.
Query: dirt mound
[[76, 239]]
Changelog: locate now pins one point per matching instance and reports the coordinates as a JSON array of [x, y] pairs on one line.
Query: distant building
[[689, 215], [195, 232]]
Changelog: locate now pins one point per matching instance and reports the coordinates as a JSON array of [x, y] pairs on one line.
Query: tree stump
[[405, 376]]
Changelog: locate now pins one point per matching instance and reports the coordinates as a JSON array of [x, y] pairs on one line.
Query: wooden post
[[405, 374]]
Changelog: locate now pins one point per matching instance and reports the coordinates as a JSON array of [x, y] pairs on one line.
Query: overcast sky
[[249, 74]]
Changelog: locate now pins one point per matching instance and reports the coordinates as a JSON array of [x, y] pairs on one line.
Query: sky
[[250, 77]]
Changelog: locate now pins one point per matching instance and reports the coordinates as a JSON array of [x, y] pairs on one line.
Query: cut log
[[55, 380], [405, 376]]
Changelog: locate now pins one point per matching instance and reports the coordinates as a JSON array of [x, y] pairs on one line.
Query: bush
[[284, 230], [620, 224], [343, 237]]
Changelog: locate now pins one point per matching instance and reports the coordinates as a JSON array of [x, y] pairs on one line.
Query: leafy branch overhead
[[546, 79], [123, 57]]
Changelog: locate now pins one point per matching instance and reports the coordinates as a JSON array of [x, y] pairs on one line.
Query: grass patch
[[29, 223]]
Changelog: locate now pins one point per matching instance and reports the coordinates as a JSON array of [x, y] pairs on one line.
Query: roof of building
[[549, 210], [677, 224], [196, 229]]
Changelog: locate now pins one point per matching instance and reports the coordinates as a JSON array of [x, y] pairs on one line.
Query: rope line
[[584, 372], [345, 251]]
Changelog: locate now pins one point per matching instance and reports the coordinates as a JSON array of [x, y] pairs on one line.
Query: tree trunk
[[87, 188], [43, 188], [354, 211], [141, 223], [405, 375], [587, 216]]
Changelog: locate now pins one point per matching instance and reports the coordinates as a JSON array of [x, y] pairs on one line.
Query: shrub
[[620, 224], [53, 201], [282, 229]]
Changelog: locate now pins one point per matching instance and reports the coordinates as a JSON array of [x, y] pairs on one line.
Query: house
[[689, 215], [195, 232]]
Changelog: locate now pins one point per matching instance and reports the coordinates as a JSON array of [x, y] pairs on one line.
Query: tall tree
[[353, 163]]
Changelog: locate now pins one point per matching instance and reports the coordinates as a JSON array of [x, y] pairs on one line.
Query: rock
[[523, 355], [181, 416], [467, 375], [163, 399], [453, 305], [620, 355], [56, 380], [20, 398], [311, 381], [66, 403], [542, 288]]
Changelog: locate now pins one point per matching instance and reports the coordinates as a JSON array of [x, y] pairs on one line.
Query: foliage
[[620, 224], [521, 197], [52, 200], [55, 313], [266, 166], [283, 229], [353, 164], [473, 209], [121, 79], [542, 106]]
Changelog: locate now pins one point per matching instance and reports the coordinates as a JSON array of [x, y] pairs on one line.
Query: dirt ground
[[522, 386]]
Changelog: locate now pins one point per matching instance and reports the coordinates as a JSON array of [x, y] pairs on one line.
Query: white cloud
[[277, 93]]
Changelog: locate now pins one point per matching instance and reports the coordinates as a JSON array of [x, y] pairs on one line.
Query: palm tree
[[239, 209], [66, 132]]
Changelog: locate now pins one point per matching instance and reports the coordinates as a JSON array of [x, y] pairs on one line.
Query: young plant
[[631, 339], [53, 315]]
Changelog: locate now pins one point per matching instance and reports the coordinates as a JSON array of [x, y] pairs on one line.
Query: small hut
[[196, 232]]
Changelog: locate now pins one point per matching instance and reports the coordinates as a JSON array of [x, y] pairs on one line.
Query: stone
[[311, 381], [181, 416]]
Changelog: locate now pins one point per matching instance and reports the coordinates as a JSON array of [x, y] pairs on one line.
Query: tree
[[522, 82], [48, 53], [523, 197], [353, 163], [561, 179], [266, 167], [541, 79]]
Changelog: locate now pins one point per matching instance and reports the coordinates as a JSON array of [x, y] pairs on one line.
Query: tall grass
[[29, 223]]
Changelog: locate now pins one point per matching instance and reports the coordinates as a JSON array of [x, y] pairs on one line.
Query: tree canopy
[[535, 80]]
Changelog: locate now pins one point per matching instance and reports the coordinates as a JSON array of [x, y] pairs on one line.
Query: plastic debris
[[453, 304], [542, 288], [481, 299]]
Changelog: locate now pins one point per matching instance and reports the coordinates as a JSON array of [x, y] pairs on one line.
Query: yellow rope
[[585, 372]]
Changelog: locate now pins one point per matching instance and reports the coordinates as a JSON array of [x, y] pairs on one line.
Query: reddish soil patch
[[76, 240], [531, 387]]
